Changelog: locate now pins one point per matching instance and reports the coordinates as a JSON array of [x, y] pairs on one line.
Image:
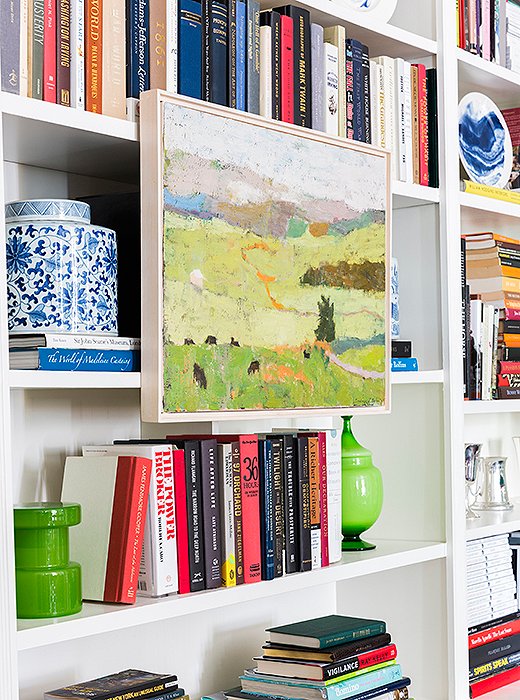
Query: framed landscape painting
[[265, 271]]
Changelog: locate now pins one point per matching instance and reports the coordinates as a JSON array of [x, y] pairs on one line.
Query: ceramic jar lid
[[47, 210], [46, 514]]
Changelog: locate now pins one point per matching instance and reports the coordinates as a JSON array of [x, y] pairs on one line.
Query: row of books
[[486, 28], [493, 617], [490, 271], [74, 352], [131, 683], [205, 511], [327, 658]]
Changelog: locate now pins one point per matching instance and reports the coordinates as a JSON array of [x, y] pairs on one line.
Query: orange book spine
[[93, 55], [158, 45], [422, 115], [113, 101], [414, 74]]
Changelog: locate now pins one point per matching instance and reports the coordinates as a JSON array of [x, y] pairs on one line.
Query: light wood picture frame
[[265, 267]]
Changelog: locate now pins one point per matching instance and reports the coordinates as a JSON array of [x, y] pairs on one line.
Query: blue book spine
[[215, 52], [404, 364], [253, 56], [137, 53], [190, 48], [10, 45], [60, 359], [364, 682], [172, 695], [232, 54], [358, 102], [241, 53], [266, 509]]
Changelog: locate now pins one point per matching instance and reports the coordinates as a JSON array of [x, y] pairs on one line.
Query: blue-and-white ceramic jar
[[61, 276]]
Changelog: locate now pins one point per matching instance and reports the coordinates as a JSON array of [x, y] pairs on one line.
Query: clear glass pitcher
[[492, 485], [471, 457]]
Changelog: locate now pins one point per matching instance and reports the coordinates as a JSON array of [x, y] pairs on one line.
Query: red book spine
[[119, 529], [250, 492], [423, 124], [287, 69], [181, 511], [512, 380], [509, 367], [324, 512], [507, 629], [512, 314], [497, 680], [63, 53], [93, 55], [377, 656], [49, 52], [462, 25]]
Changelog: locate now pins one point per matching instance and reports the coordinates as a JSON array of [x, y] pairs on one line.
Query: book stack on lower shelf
[[131, 683], [494, 650]]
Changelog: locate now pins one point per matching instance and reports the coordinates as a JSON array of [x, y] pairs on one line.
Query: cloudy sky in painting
[[307, 169]]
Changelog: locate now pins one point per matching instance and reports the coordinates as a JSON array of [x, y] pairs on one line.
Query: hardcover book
[[190, 54], [250, 506], [211, 513], [227, 520], [94, 54], [113, 101], [181, 512], [115, 685], [72, 360], [253, 57], [304, 506], [301, 63], [63, 52], [10, 46], [318, 77], [215, 51], [265, 460], [324, 632], [331, 654]]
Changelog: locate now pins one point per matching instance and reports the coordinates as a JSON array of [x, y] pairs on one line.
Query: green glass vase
[[47, 583], [361, 490]]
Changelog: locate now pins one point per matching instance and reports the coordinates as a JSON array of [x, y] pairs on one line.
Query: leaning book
[[131, 683]]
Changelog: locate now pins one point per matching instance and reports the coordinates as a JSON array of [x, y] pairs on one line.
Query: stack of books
[[131, 683], [222, 511], [490, 267], [402, 356], [494, 625], [327, 658], [74, 352]]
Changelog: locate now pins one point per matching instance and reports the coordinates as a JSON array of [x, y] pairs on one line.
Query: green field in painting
[[284, 378]]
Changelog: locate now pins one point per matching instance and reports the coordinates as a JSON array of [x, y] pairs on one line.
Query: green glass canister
[[361, 490], [47, 583]]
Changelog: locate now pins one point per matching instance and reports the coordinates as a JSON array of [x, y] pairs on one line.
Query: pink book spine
[[324, 511]]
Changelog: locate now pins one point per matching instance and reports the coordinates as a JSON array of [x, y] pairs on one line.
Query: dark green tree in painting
[[326, 329]]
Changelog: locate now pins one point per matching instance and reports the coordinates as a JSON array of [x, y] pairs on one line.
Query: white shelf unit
[[416, 585], [489, 523]]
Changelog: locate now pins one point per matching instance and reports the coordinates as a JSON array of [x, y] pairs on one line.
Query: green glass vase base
[[356, 544]]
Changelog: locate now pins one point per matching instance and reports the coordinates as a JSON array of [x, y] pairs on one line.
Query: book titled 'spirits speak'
[[327, 631], [131, 683]]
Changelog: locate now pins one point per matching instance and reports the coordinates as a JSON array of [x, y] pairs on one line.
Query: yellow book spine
[[494, 192], [228, 572]]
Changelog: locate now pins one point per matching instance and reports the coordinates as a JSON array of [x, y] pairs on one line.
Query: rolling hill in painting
[[274, 269]]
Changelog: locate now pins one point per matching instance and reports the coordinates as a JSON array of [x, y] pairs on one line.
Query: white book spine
[[487, 351], [334, 493], [318, 77], [225, 465], [316, 548], [171, 45], [77, 54], [400, 120], [408, 122], [485, 29], [337, 36], [374, 105], [381, 104], [266, 72], [330, 65], [24, 28], [388, 107], [72, 342], [502, 38]]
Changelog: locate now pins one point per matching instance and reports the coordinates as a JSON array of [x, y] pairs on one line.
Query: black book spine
[[494, 650], [215, 52], [211, 513], [493, 623], [194, 508], [510, 354], [401, 348], [302, 63], [433, 128], [365, 77], [253, 57], [510, 326], [232, 54], [265, 466], [237, 513], [290, 479], [304, 505], [508, 392], [272, 19], [277, 447], [464, 317]]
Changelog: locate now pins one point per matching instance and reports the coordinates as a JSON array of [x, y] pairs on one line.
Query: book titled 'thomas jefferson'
[[323, 632], [131, 683]]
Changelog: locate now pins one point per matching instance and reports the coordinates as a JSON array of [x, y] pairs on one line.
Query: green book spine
[[37, 49]]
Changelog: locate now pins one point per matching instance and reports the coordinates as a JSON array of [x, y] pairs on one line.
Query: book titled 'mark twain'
[[113, 494], [327, 631]]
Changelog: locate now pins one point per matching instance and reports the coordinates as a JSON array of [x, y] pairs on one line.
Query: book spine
[[113, 102], [433, 127], [360, 661], [49, 51], [232, 53], [478, 32], [314, 501], [472, 26], [86, 342], [265, 453], [190, 54], [336, 35], [84, 360], [137, 53], [465, 339], [423, 124], [276, 24], [287, 69], [172, 45], [23, 43], [237, 512], [461, 39], [334, 493], [278, 506], [509, 367], [486, 29], [382, 130], [37, 25], [253, 57], [349, 84], [374, 113], [502, 664], [318, 74], [211, 513], [266, 72], [214, 56], [511, 380], [304, 524], [503, 33], [302, 65], [158, 574], [388, 95], [228, 568], [241, 47], [181, 511], [497, 680], [10, 46], [404, 364], [195, 517], [497, 648], [77, 54], [158, 33], [94, 54], [400, 102], [365, 77], [63, 53], [250, 507], [415, 124], [364, 682], [290, 478], [324, 512], [330, 66]]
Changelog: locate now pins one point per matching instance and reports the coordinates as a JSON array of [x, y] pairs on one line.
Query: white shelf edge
[[492, 69], [430, 376], [97, 618], [494, 406], [489, 204], [406, 194], [41, 379], [489, 523]]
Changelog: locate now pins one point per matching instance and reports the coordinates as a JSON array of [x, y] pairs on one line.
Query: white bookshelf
[[489, 523]]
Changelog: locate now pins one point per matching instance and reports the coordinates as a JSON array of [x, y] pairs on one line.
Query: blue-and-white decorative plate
[[47, 210], [485, 145], [381, 10]]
